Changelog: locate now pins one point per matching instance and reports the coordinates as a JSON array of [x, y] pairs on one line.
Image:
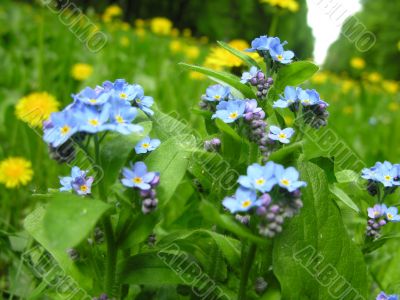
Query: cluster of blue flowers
[[273, 47], [271, 191], [139, 178], [78, 182], [313, 107], [110, 107], [383, 179], [383, 296]]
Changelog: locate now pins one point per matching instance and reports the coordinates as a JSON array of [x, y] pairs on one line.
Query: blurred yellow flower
[[161, 26], [140, 32], [398, 45], [139, 23], [347, 85], [357, 63], [319, 78], [187, 33], [15, 171], [219, 57], [81, 71], [175, 32], [374, 77], [125, 26], [391, 86], [348, 110], [203, 39], [196, 75], [394, 106], [290, 5], [124, 41], [110, 12], [175, 46], [192, 52], [36, 108]]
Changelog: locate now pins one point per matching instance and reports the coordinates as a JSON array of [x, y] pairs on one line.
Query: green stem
[[109, 278], [274, 25], [246, 267], [110, 272]]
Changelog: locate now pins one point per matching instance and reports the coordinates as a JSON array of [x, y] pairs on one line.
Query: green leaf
[[294, 74], [313, 256], [34, 225], [139, 231], [229, 247], [227, 78], [229, 223], [341, 195], [284, 154], [70, 218], [376, 244], [240, 54], [171, 160], [346, 176], [115, 151]]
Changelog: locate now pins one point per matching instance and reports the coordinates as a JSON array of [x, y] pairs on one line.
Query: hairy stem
[[247, 261]]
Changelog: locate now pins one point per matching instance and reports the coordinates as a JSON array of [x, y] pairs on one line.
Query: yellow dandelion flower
[[394, 106], [347, 85], [140, 32], [348, 110], [81, 71], [357, 63], [175, 46], [161, 26], [290, 5], [192, 52], [125, 26], [139, 23], [391, 86], [124, 41], [374, 77], [15, 171], [36, 108], [196, 75], [187, 33], [219, 58], [319, 78], [111, 12], [175, 32]]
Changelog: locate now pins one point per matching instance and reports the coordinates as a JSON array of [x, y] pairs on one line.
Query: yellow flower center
[[389, 216], [376, 213], [138, 101], [307, 101], [285, 182], [246, 203], [137, 180], [233, 115], [145, 145], [279, 57], [282, 135], [119, 119], [260, 181], [94, 122], [65, 129], [388, 177], [84, 188], [92, 101], [123, 95], [217, 97]]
